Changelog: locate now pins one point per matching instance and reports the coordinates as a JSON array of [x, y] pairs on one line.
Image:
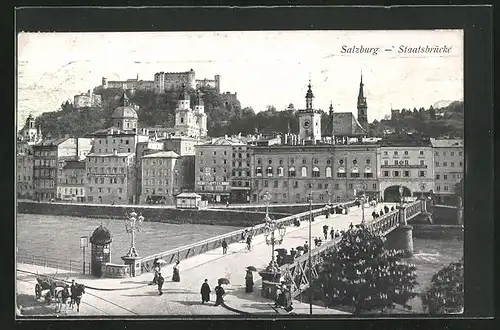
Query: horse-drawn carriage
[[55, 290]]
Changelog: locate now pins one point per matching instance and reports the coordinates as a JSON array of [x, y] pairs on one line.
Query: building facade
[[448, 169], [50, 156], [160, 177], [87, 100], [71, 181], [189, 122], [214, 169], [310, 120], [409, 164], [24, 170]]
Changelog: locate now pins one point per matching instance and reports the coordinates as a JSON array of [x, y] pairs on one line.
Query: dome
[[101, 236], [124, 112], [309, 94]]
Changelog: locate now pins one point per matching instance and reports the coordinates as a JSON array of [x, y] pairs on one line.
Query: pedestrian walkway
[[135, 297]]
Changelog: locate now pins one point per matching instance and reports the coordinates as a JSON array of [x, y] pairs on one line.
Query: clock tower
[[310, 119]]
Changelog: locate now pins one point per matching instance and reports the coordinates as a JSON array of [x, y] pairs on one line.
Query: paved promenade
[[132, 296]]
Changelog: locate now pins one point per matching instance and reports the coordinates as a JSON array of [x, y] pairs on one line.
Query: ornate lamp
[[401, 190], [133, 223]]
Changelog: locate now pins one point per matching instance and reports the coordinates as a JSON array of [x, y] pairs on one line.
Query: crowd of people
[[385, 210]]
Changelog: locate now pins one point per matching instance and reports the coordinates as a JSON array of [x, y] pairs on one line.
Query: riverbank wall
[[219, 217], [438, 231]]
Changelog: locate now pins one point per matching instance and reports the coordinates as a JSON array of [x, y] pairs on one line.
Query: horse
[[76, 296], [61, 297]]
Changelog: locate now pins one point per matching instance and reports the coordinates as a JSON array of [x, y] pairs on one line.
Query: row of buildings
[[126, 164]]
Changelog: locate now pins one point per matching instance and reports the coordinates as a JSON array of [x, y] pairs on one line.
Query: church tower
[[201, 116], [185, 121], [362, 106], [310, 119]]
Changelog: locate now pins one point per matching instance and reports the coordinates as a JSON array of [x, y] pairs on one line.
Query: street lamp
[[401, 190], [363, 197], [84, 243], [133, 224], [270, 228], [422, 189], [310, 248]]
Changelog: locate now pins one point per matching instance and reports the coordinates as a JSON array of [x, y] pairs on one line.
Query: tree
[[361, 274], [446, 293]]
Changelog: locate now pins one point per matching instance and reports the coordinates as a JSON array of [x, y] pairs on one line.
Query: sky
[[263, 67]]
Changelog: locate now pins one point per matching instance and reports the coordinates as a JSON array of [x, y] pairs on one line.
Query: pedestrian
[[219, 294], [249, 242], [243, 235], [293, 253], [332, 233], [337, 234], [176, 276], [386, 209], [224, 247], [205, 292], [373, 214], [306, 247], [325, 231], [392, 208], [160, 283], [351, 226], [73, 293], [381, 213], [249, 281]]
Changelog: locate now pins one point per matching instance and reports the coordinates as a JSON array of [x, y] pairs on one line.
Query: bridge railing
[[297, 273], [197, 248]]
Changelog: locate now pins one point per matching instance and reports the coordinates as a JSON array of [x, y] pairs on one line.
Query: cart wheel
[[38, 291], [48, 296]]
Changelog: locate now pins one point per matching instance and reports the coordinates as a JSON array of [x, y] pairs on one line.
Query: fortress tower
[[362, 106]]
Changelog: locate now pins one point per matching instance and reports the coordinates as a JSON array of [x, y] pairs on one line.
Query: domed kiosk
[[101, 253]]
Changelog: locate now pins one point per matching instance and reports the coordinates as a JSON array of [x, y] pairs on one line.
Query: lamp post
[[310, 248], [133, 224], [401, 190], [84, 243], [422, 189], [363, 198], [271, 226]]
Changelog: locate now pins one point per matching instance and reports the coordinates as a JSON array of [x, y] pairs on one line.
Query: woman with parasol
[[176, 276], [249, 279], [219, 291]]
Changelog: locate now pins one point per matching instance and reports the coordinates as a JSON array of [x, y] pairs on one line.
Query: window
[[296, 184], [452, 164], [341, 173], [406, 152], [215, 153], [259, 161], [396, 173], [328, 161], [421, 173], [438, 188], [303, 171], [406, 173], [355, 173], [453, 153], [270, 161], [460, 164], [422, 162], [445, 188], [368, 172], [336, 186], [445, 163], [437, 153], [258, 171], [350, 185], [225, 153], [275, 183], [374, 186], [395, 152], [320, 186], [368, 161], [445, 176], [438, 176], [385, 153], [315, 161], [285, 184], [269, 171], [291, 172], [341, 161], [396, 162], [315, 173], [421, 152], [437, 164], [386, 162], [328, 172], [266, 183], [444, 153], [280, 171], [326, 185], [460, 153], [354, 161]]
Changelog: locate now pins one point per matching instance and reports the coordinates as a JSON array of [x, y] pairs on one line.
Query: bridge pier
[[401, 238]]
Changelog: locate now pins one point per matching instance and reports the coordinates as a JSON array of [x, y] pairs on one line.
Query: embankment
[[219, 217]]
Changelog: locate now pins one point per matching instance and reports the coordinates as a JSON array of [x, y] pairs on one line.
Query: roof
[[162, 154], [52, 142], [124, 112], [188, 195], [223, 141], [112, 131], [101, 236], [345, 124], [447, 143]]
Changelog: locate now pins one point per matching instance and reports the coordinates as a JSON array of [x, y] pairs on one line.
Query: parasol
[[161, 262], [300, 248], [223, 281], [252, 268], [280, 249]]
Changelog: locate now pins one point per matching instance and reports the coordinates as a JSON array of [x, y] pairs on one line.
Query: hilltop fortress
[[170, 81]]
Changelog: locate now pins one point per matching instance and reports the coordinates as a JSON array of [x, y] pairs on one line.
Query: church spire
[[362, 106], [183, 95], [361, 94], [309, 97]]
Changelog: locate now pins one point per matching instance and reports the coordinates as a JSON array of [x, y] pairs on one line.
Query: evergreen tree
[[446, 294], [361, 274]]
